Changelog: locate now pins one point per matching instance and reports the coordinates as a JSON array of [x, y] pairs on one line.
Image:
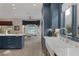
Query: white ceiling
[[20, 10]]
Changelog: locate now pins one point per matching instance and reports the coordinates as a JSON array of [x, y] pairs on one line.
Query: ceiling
[[20, 10]]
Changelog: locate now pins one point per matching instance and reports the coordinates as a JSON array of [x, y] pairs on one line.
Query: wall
[[18, 21]]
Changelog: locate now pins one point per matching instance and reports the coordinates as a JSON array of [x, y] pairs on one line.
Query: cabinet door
[[10, 40], [7, 42], [4, 42], [1, 41], [18, 42]]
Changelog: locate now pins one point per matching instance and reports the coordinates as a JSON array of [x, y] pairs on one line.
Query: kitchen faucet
[[66, 36], [58, 32]]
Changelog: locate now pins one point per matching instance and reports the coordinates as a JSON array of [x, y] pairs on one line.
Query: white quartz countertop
[[58, 43], [12, 34], [61, 47]]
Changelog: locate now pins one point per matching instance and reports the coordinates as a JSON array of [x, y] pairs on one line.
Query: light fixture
[[13, 4], [34, 5]]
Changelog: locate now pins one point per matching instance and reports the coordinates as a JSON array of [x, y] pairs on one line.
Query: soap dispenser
[[57, 32]]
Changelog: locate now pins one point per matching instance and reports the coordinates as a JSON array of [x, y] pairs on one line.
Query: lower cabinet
[[0, 42], [11, 42]]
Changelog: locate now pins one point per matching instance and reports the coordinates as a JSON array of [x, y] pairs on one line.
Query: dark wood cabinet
[[6, 23]]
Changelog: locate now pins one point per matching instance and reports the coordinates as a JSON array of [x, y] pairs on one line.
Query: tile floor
[[32, 48]]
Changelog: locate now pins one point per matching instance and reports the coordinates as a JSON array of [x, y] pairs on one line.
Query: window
[[68, 21], [62, 22], [31, 29]]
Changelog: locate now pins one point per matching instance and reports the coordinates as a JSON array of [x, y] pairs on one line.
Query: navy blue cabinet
[[11, 42], [0, 41]]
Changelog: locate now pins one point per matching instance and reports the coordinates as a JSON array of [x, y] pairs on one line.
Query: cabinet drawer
[[10, 37], [12, 42], [8, 46], [1, 41]]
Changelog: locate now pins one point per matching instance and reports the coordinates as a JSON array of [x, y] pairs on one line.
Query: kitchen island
[[61, 46], [11, 41]]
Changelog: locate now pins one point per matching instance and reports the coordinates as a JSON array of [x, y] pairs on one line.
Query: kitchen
[[20, 28]]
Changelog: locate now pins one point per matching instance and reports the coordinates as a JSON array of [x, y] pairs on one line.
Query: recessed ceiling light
[[13, 4], [34, 5]]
